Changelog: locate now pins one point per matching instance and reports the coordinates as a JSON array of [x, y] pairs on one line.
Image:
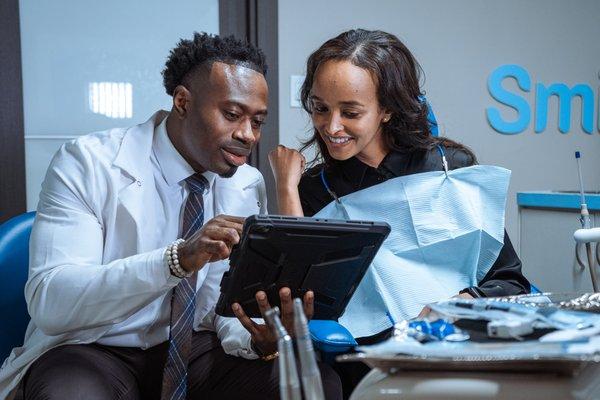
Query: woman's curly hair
[[205, 49]]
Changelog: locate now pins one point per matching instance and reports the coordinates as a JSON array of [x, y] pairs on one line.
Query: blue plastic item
[[534, 289], [433, 125], [330, 336], [14, 265], [438, 329]]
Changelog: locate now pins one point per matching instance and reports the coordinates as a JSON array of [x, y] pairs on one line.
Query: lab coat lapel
[[134, 160], [237, 195]]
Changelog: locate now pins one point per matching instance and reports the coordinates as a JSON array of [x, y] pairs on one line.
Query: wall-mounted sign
[[543, 93]]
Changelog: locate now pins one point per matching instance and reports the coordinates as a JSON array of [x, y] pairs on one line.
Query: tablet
[[329, 257]]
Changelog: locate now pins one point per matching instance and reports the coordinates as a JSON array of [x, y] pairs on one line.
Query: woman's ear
[[181, 100], [386, 117]]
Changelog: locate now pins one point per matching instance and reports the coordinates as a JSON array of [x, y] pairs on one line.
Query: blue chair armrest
[[14, 262], [330, 336]]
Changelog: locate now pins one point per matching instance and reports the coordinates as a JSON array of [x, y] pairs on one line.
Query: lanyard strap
[[331, 192], [444, 161]]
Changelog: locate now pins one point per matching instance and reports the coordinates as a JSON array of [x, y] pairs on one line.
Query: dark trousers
[[94, 372]]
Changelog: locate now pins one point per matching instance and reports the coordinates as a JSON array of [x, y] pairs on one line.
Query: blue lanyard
[[331, 192], [443, 155]]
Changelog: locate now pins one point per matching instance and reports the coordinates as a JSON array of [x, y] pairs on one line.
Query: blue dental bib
[[447, 231]]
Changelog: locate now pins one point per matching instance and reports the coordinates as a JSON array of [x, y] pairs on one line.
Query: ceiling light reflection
[[112, 99]]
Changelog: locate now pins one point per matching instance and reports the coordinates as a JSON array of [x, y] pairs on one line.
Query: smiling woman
[[370, 125]]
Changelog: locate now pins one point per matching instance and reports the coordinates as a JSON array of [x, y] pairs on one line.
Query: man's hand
[[263, 336], [211, 243]]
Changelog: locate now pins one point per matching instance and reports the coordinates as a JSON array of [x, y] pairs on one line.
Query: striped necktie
[[183, 302]]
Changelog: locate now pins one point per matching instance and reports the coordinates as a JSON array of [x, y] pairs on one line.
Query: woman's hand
[[426, 310], [287, 166]]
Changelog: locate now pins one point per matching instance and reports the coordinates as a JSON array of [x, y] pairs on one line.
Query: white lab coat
[[91, 236]]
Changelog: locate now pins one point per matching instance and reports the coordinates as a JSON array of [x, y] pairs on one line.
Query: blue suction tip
[[577, 154]]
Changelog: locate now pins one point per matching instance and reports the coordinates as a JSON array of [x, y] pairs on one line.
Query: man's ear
[[181, 101]]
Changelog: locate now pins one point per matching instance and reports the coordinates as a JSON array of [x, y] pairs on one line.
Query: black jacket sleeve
[[505, 277]]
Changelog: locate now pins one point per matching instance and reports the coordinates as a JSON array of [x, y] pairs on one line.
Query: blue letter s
[[510, 99]]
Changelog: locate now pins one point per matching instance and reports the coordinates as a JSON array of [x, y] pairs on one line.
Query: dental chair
[[14, 262]]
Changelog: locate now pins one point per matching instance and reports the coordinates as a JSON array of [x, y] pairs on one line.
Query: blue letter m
[[565, 96]]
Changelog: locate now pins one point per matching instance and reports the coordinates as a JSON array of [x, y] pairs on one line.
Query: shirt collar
[[173, 166], [393, 164], [352, 169]]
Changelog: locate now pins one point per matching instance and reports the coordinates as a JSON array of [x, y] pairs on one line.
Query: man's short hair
[[205, 49]]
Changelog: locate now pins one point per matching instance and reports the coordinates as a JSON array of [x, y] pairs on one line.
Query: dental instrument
[[585, 225], [289, 384], [309, 371]]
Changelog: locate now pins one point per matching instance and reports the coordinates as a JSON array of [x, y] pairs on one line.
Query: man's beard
[[229, 173]]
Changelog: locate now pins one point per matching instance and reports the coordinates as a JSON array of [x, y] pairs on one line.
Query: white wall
[[459, 43], [68, 44]]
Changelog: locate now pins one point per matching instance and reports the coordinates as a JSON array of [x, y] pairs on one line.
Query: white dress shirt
[[150, 326]]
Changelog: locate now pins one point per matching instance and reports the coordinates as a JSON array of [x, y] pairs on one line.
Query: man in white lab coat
[[106, 268]]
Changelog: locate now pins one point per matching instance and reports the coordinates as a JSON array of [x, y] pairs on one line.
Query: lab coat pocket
[[241, 203]]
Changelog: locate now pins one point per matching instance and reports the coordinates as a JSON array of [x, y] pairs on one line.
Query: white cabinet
[[547, 222]]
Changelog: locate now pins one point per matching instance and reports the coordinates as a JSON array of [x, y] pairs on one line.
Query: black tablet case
[[329, 257]]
